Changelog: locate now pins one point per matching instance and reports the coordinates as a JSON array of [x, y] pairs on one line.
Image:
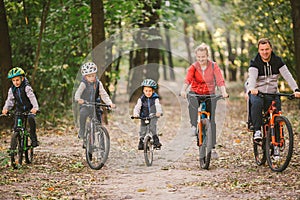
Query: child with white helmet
[[90, 90], [146, 105]]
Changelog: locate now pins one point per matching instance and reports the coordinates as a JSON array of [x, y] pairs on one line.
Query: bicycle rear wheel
[[259, 148], [206, 147], [16, 151], [279, 156], [148, 150], [97, 148], [28, 151]]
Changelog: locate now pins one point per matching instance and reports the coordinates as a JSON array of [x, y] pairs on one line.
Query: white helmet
[[88, 68]]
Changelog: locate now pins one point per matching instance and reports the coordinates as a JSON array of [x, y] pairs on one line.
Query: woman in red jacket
[[203, 76]]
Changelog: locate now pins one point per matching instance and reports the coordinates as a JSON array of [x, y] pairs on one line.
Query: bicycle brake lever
[[291, 97]]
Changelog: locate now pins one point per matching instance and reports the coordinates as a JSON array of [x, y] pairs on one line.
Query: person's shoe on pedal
[[193, 131], [80, 134], [214, 154], [141, 144], [257, 135], [156, 142], [35, 143]]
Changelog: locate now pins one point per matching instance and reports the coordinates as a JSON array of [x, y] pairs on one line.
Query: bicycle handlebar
[[262, 94], [96, 104], [208, 96], [26, 113], [145, 118]]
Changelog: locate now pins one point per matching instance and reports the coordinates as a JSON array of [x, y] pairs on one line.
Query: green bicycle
[[20, 145]]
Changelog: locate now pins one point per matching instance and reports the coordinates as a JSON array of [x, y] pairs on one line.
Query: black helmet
[[149, 83]]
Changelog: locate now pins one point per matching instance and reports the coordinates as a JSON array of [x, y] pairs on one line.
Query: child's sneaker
[[141, 144], [80, 134], [194, 131], [257, 135], [35, 143], [156, 142], [214, 154]]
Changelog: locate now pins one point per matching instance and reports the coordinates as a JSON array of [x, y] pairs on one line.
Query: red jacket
[[204, 82]]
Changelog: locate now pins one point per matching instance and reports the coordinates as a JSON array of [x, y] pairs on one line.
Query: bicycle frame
[[96, 145], [147, 122], [23, 130], [19, 140], [270, 116], [202, 114], [148, 140]]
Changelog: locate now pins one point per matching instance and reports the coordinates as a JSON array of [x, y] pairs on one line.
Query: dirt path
[[60, 170]]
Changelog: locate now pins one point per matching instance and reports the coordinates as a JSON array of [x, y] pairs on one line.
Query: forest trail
[[60, 171]]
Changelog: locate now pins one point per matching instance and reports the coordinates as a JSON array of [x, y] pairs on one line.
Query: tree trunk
[[98, 37], [5, 61], [154, 42], [5, 53], [137, 75], [187, 42], [296, 29], [231, 57], [45, 11], [169, 54]]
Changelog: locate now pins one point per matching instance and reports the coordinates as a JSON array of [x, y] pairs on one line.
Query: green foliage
[[268, 18], [66, 42]]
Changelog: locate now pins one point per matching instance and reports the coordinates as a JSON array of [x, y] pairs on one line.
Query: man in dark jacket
[[264, 72]]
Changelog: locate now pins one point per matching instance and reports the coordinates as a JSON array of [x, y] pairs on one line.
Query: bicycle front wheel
[[28, 151], [280, 154], [148, 150], [206, 147], [97, 148], [16, 151]]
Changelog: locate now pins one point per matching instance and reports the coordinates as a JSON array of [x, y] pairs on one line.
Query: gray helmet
[[149, 83]]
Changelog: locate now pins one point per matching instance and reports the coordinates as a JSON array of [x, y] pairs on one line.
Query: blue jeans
[[257, 105]]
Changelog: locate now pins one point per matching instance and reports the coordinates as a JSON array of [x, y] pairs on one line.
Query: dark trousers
[[32, 125], [194, 103], [152, 126], [257, 105], [84, 113]]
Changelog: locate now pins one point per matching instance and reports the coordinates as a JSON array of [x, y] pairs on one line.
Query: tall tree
[[154, 42], [98, 37], [45, 11], [296, 29], [5, 52]]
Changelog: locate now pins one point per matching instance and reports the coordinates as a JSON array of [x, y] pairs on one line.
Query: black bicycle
[[149, 146], [20, 144], [96, 138]]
